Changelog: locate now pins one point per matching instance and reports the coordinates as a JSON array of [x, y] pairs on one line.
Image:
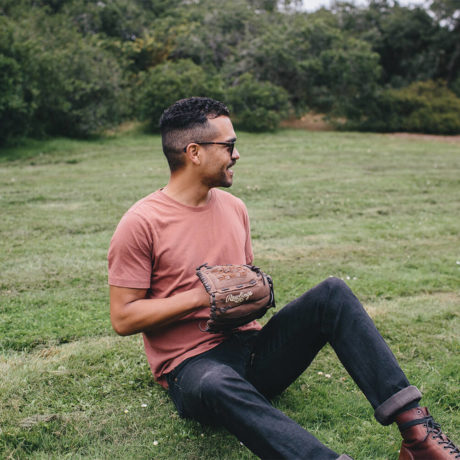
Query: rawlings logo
[[240, 298]]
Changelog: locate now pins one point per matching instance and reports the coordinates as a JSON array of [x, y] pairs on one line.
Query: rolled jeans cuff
[[384, 412]]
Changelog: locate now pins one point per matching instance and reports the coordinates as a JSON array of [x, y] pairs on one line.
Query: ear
[[193, 153]]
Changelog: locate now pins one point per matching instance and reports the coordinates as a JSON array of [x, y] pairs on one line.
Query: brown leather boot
[[423, 438]]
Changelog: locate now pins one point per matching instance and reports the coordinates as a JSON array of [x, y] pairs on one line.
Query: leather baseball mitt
[[238, 295]]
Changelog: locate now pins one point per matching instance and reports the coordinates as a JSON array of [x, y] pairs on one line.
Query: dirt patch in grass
[[310, 121]]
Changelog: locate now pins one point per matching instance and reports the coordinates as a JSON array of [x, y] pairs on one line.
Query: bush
[[16, 95], [80, 90], [424, 107], [455, 86], [55, 82], [257, 106], [166, 83], [15, 113], [350, 73]]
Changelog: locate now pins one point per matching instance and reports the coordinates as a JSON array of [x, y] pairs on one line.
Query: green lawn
[[382, 213]]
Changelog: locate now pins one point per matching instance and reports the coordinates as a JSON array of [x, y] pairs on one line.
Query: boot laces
[[434, 429]]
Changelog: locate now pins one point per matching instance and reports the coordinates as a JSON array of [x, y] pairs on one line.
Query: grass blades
[[380, 212]]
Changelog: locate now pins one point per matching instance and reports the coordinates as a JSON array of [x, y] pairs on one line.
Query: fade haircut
[[186, 121]]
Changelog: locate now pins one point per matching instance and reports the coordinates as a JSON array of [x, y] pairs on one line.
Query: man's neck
[[186, 193]]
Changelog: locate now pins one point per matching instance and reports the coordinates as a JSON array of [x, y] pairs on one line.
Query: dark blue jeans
[[231, 384]]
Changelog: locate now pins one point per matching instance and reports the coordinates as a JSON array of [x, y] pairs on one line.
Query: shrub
[[164, 84], [429, 107], [425, 107], [16, 93], [80, 90], [257, 106], [455, 86], [15, 113], [55, 82]]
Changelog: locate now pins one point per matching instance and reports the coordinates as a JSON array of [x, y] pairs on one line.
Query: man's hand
[[203, 298], [131, 312]]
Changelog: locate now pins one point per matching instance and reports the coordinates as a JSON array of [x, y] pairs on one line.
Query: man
[[229, 379]]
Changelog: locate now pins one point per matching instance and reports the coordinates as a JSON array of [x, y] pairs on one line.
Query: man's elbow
[[120, 327]]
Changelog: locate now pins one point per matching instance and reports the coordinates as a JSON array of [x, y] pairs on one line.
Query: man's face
[[217, 161]]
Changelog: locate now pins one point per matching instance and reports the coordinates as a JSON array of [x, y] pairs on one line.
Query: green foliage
[[425, 107], [429, 107], [146, 52], [123, 19], [284, 55], [318, 65], [455, 86], [80, 95], [350, 75], [17, 93], [164, 84], [218, 36], [56, 83], [76, 67], [15, 112], [408, 40], [257, 106]]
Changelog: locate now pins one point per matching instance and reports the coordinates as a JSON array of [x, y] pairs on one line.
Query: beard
[[223, 178]]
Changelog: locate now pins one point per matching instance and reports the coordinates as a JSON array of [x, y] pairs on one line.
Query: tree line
[[77, 67]]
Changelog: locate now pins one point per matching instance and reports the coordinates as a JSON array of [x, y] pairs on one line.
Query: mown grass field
[[383, 213]]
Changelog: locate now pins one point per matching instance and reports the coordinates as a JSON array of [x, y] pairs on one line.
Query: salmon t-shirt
[[158, 244]]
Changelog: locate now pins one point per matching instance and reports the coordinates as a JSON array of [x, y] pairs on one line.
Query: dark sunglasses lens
[[231, 146]]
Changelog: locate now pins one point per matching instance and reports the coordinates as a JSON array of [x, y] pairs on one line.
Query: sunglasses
[[229, 145]]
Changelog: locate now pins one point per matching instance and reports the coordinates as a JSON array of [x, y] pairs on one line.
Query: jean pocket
[[175, 394]]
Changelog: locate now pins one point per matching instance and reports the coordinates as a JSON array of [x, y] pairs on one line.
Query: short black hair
[[186, 121]]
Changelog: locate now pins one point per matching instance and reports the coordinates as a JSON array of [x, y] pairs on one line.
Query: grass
[[380, 212]]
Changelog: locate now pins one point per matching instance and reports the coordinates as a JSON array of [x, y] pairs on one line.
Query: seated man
[[230, 378]]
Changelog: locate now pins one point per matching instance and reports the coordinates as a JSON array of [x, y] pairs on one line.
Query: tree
[[57, 82], [448, 12], [162, 85], [257, 106], [408, 40]]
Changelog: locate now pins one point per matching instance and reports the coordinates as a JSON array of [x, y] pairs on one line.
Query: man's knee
[[338, 296], [331, 289], [335, 285], [329, 295]]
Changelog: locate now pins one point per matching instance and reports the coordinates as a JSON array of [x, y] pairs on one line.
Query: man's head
[[187, 121]]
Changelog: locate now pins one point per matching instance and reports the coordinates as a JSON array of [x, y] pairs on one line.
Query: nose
[[235, 154]]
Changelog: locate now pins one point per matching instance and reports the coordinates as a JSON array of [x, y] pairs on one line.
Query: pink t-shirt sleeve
[[130, 254]]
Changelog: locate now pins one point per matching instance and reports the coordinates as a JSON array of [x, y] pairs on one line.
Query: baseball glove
[[238, 295]]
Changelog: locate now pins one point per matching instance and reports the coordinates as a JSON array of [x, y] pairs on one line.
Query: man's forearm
[[131, 315]]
